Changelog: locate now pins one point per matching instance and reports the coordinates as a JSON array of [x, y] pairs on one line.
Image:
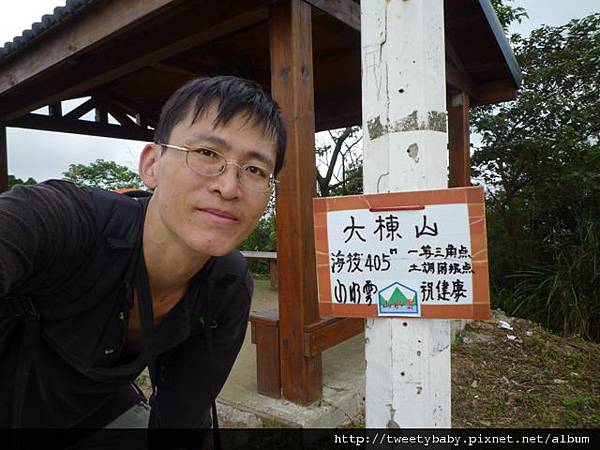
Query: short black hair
[[231, 95]]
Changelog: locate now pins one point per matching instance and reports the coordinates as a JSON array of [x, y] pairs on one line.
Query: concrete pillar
[[405, 149]]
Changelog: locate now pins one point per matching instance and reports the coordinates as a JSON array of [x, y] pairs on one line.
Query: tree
[[102, 174], [263, 239], [341, 159], [13, 181], [508, 14], [540, 158]]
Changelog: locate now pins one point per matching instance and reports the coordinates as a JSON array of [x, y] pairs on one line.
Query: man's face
[[209, 215]]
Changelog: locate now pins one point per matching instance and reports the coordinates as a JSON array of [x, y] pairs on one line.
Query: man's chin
[[213, 248]]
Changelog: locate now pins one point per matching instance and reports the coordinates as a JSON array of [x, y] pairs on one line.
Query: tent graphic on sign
[[398, 299]]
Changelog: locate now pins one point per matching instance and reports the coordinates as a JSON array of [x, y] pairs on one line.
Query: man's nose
[[228, 183]]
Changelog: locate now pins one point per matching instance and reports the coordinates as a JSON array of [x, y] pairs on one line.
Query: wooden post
[[3, 159], [55, 109], [290, 31], [405, 148], [265, 334], [458, 141]]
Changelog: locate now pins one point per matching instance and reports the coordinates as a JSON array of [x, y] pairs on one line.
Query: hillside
[[536, 379]]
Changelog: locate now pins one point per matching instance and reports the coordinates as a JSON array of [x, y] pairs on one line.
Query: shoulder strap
[[135, 193], [20, 306]]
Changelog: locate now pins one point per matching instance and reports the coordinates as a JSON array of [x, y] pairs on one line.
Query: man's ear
[[148, 166]]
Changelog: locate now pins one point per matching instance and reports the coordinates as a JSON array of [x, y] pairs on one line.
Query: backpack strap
[[134, 193], [21, 306]]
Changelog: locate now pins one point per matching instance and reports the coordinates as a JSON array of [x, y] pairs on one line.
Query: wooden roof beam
[[452, 54], [55, 109], [85, 127], [172, 68], [143, 116], [95, 72], [81, 110], [345, 11], [119, 114], [494, 92], [461, 80]]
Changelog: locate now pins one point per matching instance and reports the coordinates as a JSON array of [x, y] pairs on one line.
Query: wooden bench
[[271, 258], [318, 337]]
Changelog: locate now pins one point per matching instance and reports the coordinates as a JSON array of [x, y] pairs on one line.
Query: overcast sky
[[44, 155]]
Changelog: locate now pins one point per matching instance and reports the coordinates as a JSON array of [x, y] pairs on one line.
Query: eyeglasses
[[211, 163]]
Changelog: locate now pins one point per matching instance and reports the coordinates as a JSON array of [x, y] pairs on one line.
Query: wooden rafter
[[143, 116], [116, 111], [80, 110], [72, 122]]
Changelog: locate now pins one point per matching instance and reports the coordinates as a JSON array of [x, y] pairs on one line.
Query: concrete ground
[[343, 385]]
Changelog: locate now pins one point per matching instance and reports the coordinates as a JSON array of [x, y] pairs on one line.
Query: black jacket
[[76, 254]]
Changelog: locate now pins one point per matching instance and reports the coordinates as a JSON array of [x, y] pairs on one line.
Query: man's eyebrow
[[203, 137]]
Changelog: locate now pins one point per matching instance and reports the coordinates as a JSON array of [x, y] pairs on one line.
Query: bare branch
[[339, 142]]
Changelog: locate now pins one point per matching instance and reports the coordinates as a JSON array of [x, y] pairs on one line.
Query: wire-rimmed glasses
[[211, 163]]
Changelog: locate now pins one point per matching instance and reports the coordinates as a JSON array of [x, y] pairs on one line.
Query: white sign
[[402, 259], [409, 254]]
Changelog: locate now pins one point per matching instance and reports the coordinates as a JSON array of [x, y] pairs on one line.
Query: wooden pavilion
[[128, 56]]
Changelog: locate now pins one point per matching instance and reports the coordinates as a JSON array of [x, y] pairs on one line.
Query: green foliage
[[13, 181], [264, 236], [102, 174], [508, 14], [262, 239], [351, 184], [563, 291], [581, 400], [540, 158]]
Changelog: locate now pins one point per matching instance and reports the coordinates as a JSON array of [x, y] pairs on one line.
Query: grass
[[537, 380]]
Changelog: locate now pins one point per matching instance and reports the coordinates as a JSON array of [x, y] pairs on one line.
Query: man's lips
[[221, 216]]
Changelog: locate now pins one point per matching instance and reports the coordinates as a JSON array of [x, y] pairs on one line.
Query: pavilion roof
[[59, 16], [130, 56]]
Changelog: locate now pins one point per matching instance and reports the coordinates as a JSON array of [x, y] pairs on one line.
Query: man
[[95, 286]]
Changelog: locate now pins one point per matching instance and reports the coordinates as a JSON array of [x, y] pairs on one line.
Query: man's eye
[[257, 171], [206, 153]]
